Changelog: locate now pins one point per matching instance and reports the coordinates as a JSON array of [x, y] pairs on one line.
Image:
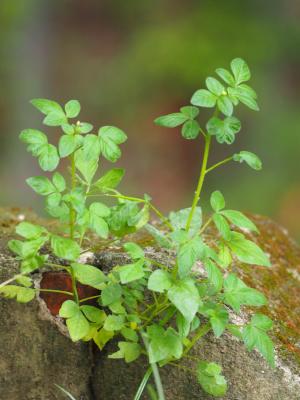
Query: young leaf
[[89, 275], [110, 137], [190, 111], [163, 344], [239, 219], [131, 272], [72, 108], [204, 98], [225, 105], [240, 70], [129, 351], [84, 127], [190, 129], [226, 76], [59, 181], [67, 144], [41, 185], [247, 251], [217, 201], [68, 129], [250, 158], [236, 293], [65, 248], [224, 130], [171, 120], [30, 231], [48, 157], [159, 281], [185, 297], [46, 106], [214, 86], [210, 378], [134, 250], [110, 180], [255, 336], [55, 119], [244, 96]]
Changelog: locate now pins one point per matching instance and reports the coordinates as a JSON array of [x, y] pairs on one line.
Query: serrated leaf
[[222, 226], [208, 375], [159, 237], [67, 145], [185, 297], [224, 130], [110, 137], [239, 219], [159, 281], [179, 219], [134, 250], [110, 179], [87, 168], [30, 231], [163, 344], [240, 70], [65, 248], [111, 294], [188, 253], [131, 272], [215, 276]]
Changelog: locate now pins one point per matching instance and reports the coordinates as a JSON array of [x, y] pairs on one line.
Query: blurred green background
[[131, 61]]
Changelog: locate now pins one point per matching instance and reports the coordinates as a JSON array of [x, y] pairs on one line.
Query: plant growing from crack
[[156, 309]]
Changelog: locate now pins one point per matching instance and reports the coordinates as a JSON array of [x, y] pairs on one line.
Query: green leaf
[[59, 181], [131, 272], [215, 276], [46, 106], [239, 219], [91, 147], [245, 97], [72, 108], [68, 129], [225, 105], [255, 336], [24, 281], [110, 180], [130, 334], [204, 98], [163, 344], [171, 120], [237, 293], [22, 294], [222, 226], [240, 70], [84, 127], [247, 251], [218, 317], [224, 130], [134, 250], [89, 275], [114, 323], [210, 378], [217, 201], [87, 168], [129, 351], [159, 281], [68, 309], [111, 294], [55, 118], [224, 256], [249, 158], [214, 86], [97, 212], [102, 337], [30, 231], [179, 219], [110, 137], [93, 314], [185, 297], [190, 111], [159, 237], [226, 76], [41, 185], [183, 325], [188, 254], [65, 248], [78, 326], [48, 158], [67, 144], [32, 263], [190, 129], [33, 137]]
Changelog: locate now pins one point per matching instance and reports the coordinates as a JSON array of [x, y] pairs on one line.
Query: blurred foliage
[[128, 62]]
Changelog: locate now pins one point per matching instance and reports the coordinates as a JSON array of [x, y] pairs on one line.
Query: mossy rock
[[35, 352]]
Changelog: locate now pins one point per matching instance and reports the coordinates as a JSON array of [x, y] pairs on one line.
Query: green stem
[[200, 181], [219, 164], [11, 279], [143, 384], [205, 225], [55, 291], [89, 298], [74, 287], [199, 333], [73, 185], [155, 370]]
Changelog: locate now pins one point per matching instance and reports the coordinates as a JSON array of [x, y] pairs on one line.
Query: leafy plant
[[153, 308]]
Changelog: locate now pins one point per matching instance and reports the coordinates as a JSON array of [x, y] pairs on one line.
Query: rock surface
[[34, 354]]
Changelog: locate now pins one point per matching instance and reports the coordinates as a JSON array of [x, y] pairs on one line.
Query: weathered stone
[[34, 354]]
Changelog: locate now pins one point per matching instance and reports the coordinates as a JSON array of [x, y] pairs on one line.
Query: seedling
[[152, 308]]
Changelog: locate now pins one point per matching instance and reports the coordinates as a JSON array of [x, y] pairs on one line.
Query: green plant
[[156, 309]]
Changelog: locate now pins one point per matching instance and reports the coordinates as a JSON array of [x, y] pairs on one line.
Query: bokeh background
[[131, 61]]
